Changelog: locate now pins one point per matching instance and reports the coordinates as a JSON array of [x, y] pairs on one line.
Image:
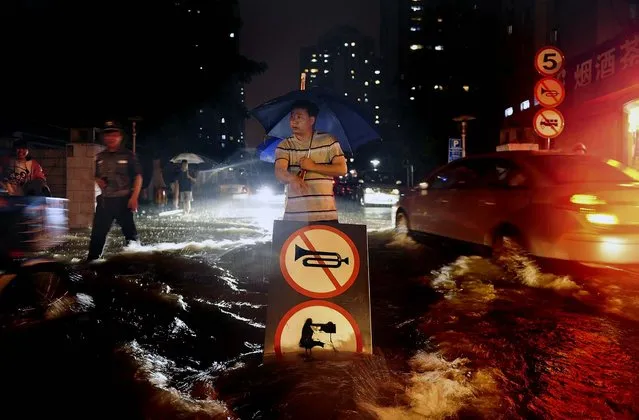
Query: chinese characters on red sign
[[605, 62]]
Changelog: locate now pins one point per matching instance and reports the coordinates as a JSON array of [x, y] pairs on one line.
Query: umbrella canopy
[[348, 122], [189, 157], [266, 150]]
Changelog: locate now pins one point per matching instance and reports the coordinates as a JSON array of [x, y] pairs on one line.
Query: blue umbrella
[[266, 150], [348, 122]]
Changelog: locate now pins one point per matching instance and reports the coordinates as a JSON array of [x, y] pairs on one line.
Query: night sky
[[275, 30]]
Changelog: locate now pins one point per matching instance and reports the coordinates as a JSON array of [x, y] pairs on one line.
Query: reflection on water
[[175, 330]]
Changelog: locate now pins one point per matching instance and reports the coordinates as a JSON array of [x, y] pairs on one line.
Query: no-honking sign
[[319, 298]]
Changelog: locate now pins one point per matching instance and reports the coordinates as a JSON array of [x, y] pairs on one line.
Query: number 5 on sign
[[549, 61]]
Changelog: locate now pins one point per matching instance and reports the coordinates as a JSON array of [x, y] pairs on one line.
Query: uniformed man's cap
[[111, 126]]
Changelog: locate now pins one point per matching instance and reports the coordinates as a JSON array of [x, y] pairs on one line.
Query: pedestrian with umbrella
[[308, 160]]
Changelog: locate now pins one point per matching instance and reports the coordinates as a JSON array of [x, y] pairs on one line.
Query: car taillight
[[586, 200]]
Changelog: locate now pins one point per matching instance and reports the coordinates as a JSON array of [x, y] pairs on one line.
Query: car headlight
[[395, 192], [266, 191], [368, 190]]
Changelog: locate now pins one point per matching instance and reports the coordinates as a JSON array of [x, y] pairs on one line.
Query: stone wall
[[81, 188], [54, 163]]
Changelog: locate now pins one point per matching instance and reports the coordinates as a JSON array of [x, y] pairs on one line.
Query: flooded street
[[174, 329]]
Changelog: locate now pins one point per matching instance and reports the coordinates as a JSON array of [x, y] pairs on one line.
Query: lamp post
[[463, 119], [134, 133], [375, 163]]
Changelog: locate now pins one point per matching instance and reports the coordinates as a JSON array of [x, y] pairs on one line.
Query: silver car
[[559, 206]]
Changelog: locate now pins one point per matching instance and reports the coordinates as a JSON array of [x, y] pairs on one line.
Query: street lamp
[[464, 123], [134, 132], [375, 163]]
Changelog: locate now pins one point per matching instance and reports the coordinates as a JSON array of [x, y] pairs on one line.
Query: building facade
[[600, 40]]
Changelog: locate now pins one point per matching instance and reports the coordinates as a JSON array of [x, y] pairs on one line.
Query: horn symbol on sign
[[319, 258], [549, 93]]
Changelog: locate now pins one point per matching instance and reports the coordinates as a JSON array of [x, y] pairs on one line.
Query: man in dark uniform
[[118, 173]]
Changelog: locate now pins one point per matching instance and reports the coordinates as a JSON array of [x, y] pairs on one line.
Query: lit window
[[314, 55], [345, 93], [313, 76], [438, 87], [352, 71], [524, 105], [416, 8], [510, 29], [352, 44], [376, 121], [223, 120], [377, 117], [366, 83], [197, 45], [325, 71], [439, 48], [466, 88], [201, 68], [314, 60], [365, 99], [377, 72], [326, 55], [201, 111], [377, 82], [413, 88], [326, 61], [223, 136], [346, 44], [314, 70], [365, 61], [201, 128], [376, 106], [440, 20], [223, 146], [353, 55], [415, 28], [198, 12], [509, 111], [359, 99], [416, 47], [412, 98], [232, 35]]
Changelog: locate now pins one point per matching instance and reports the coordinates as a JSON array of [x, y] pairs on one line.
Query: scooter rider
[[119, 175]]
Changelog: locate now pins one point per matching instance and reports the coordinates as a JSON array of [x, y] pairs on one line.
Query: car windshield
[[378, 178], [564, 169]]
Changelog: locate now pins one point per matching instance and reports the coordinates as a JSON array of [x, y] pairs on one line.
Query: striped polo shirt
[[318, 203]]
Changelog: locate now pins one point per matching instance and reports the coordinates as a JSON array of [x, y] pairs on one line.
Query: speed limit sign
[[549, 61]]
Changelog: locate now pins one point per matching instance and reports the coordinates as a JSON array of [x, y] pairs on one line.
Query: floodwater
[[174, 329]]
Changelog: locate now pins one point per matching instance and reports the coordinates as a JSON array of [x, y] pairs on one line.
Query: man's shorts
[[186, 196]]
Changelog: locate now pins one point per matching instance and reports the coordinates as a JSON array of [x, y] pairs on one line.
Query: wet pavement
[[174, 328]]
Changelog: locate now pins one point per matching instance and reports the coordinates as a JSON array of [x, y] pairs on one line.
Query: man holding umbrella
[[307, 162]]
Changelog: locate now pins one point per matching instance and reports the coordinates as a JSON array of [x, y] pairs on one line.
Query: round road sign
[[550, 92], [548, 123], [319, 261], [343, 335], [549, 61]]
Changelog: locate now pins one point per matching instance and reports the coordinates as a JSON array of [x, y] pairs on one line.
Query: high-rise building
[[443, 55], [345, 62], [216, 127]]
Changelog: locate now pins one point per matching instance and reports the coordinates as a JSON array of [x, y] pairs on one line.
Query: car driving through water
[[554, 205]]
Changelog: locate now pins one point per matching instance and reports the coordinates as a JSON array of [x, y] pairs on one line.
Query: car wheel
[[506, 244], [402, 226]]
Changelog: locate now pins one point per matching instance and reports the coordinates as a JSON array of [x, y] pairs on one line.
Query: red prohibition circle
[[359, 344], [541, 83], [316, 295]]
